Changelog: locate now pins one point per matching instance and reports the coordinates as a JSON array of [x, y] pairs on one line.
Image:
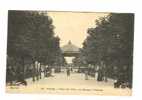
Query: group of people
[[101, 74], [17, 75], [98, 72], [38, 69]]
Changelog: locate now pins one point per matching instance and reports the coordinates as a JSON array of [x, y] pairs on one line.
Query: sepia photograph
[[70, 53]]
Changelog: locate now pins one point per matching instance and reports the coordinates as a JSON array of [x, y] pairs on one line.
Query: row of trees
[[31, 38], [110, 43]]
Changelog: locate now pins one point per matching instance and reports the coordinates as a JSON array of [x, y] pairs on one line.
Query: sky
[[73, 25]]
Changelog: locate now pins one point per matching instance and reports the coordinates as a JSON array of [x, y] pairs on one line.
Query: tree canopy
[[31, 35], [111, 42]]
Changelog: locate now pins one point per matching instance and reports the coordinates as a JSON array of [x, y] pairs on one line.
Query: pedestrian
[[39, 70], [33, 72], [100, 75], [104, 73], [68, 72], [96, 72], [52, 71], [45, 71], [86, 74]]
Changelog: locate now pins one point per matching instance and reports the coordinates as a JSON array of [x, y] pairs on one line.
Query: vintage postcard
[[70, 53]]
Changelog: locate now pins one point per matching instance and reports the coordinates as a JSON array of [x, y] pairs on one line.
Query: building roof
[[70, 48]]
